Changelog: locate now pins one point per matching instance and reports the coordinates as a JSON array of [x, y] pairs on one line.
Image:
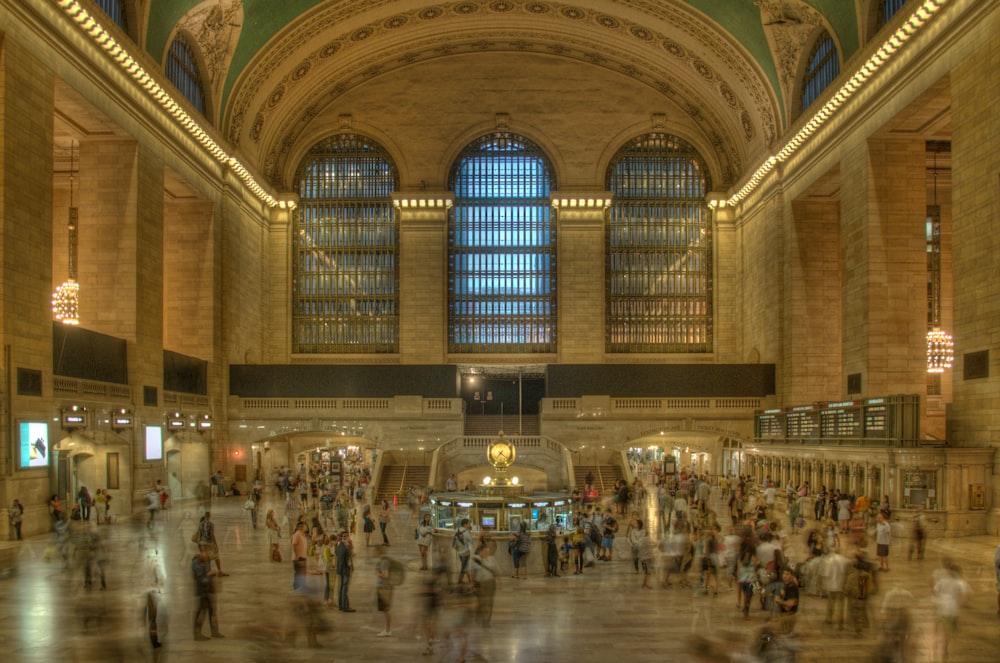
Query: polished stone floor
[[46, 613]]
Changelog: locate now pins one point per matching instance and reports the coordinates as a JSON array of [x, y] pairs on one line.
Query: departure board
[[803, 424], [875, 421], [771, 426], [884, 419], [841, 422]]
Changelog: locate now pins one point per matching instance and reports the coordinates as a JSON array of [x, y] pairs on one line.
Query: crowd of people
[[778, 552]]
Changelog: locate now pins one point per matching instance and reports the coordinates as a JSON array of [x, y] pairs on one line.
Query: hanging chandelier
[[940, 345], [66, 303], [66, 298], [940, 350]]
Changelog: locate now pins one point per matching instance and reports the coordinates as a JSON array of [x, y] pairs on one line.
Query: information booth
[[494, 514]]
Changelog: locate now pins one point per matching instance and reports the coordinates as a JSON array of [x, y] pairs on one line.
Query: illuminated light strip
[[422, 202], [885, 53], [559, 203], [89, 25]]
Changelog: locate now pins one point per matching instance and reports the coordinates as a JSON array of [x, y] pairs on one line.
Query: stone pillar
[[423, 276], [26, 251], [812, 363], [580, 242], [884, 321], [121, 272], [975, 85]]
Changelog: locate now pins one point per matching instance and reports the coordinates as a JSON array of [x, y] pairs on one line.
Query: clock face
[[501, 454]]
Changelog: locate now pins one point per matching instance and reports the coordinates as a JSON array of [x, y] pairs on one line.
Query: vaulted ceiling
[[277, 71]]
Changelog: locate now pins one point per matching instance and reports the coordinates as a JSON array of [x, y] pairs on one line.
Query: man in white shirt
[[883, 534], [950, 593], [770, 493]]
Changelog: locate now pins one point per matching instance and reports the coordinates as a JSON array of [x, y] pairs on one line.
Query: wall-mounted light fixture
[[74, 417], [176, 421], [121, 419]]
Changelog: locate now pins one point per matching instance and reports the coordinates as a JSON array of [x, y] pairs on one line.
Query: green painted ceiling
[[264, 19]]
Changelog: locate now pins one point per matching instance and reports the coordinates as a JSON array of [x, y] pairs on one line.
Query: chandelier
[[940, 345], [940, 350], [66, 298]]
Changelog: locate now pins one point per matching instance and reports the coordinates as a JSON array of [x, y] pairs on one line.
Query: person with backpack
[[461, 543]]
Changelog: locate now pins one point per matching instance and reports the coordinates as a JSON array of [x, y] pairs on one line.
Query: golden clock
[[500, 453]]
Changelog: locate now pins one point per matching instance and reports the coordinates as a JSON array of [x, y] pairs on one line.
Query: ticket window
[[444, 517], [514, 521], [563, 517], [488, 520], [541, 518], [463, 511]]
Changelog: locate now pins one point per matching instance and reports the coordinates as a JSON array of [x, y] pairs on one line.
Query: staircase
[[477, 425], [397, 478], [604, 476]]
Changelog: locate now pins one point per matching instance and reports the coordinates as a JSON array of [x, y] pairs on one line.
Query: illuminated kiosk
[[497, 508]]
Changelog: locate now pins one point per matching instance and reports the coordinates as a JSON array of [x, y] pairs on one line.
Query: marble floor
[[46, 613]]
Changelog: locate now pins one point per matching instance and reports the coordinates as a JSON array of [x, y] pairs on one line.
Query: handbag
[[194, 538], [249, 504], [275, 554]]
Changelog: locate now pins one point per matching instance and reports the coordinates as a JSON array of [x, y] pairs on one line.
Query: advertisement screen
[[35, 448], [154, 443]]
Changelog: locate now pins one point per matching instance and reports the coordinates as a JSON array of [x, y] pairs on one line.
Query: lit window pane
[[116, 10], [823, 68], [346, 251], [182, 70], [659, 249], [501, 280], [887, 9]]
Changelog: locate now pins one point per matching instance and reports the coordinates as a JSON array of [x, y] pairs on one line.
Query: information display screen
[[154, 442], [33, 437]]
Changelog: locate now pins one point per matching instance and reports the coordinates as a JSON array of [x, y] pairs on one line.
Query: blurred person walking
[[344, 554], [206, 605], [15, 514], [950, 594]]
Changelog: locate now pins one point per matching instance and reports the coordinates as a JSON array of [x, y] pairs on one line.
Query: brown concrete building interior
[[752, 237]]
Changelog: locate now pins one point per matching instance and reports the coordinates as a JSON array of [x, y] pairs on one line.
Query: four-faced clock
[[500, 453]]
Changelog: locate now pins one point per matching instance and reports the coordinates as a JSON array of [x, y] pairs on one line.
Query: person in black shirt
[[788, 601]]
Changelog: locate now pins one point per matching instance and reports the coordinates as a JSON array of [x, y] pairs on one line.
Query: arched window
[[886, 10], [345, 276], [659, 249], [822, 69], [501, 249], [182, 70], [116, 10]]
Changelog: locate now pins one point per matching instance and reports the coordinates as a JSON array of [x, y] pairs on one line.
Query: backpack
[[416, 533], [457, 543]]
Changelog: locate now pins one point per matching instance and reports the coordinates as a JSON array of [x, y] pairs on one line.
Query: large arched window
[[116, 10], [886, 10], [345, 295], [501, 249], [659, 249], [182, 70], [823, 67]]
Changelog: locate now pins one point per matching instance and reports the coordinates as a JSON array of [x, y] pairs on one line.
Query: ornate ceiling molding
[[670, 64], [788, 25], [216, 26], [727, 138]]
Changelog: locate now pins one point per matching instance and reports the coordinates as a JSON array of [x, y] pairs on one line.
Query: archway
[[175, 484]]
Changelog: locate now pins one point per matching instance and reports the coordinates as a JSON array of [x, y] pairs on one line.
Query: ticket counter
[[494, 517]]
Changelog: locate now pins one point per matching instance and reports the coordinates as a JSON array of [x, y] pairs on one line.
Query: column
[[883, 241], [423, 275], [580, 219], [26, 229], [975, 85]]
